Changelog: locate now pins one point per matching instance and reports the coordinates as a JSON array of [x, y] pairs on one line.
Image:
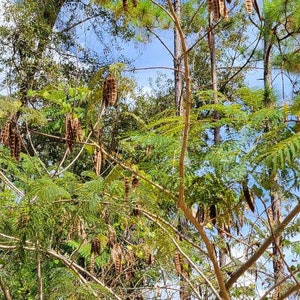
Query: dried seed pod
[[127, 188], [97, 161], [5, 134], [81, 230], [216, 9], [213, 214], [134, 3], [210, 5], [111, 236], [178, 262], [149, 258], [148, 150], [134, 182], [70, 139], [110, 90], [125, 5], [130, 258], [200, 214], [18, 143], [221, 7], [92, 263], [95, 246], [117, 255], [12, 139], [248, 197], [249, 6]]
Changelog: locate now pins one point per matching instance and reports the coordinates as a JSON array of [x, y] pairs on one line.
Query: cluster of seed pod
[[110, 91], [11, 138], [95, 250], [219, 9], [125, 5], [73, 131]]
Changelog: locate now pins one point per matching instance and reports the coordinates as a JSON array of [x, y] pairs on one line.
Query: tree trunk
[[275, 216]]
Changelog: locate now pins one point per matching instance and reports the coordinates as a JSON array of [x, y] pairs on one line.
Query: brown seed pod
[[111, 237], [12, 139], [125, 5], [200, 214], [5, 134], [149, 258], [210, 5], [69, 132], [117, 255], [134, 182], [221, 7], [178, 262], [134, 3], [216, 9], [127, 188], [248, 197], [110, 90], [95, 246], [249, 6], [213, 214], [97, 161], [92, 263], [18, 143]]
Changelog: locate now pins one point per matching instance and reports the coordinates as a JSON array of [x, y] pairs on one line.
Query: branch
[[11, 185], [185, 256], [5, 290], [293, 289], [235, 276]]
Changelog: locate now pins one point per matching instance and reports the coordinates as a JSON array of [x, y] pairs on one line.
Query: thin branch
[[280, 228], [5, 290], [293, 289], [11, 185]]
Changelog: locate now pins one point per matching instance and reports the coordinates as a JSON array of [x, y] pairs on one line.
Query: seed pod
[[95, 246], [125, 5], [213, 214], [134, 182], [149, 258], [210, 5], [111, 237], [5, 134], [92, 263], [249, 6], [200, 214], [12, 140], [117, 255], [248, 197], [221, 7], [97, 161], [110, 90], [134, 3], [18, 143], [127, 188], [178, 263], [69, 132]]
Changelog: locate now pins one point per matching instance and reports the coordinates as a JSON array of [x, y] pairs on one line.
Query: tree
[[133, 200]]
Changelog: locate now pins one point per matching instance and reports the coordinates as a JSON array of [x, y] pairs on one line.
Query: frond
[[283, 153], [46, 189]]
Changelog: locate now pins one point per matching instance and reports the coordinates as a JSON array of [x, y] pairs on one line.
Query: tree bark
[[275, 216]]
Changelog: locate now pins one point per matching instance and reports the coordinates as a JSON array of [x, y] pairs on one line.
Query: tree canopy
[[185, 190]]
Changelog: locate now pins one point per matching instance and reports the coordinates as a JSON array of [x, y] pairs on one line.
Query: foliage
[[133, 200]]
